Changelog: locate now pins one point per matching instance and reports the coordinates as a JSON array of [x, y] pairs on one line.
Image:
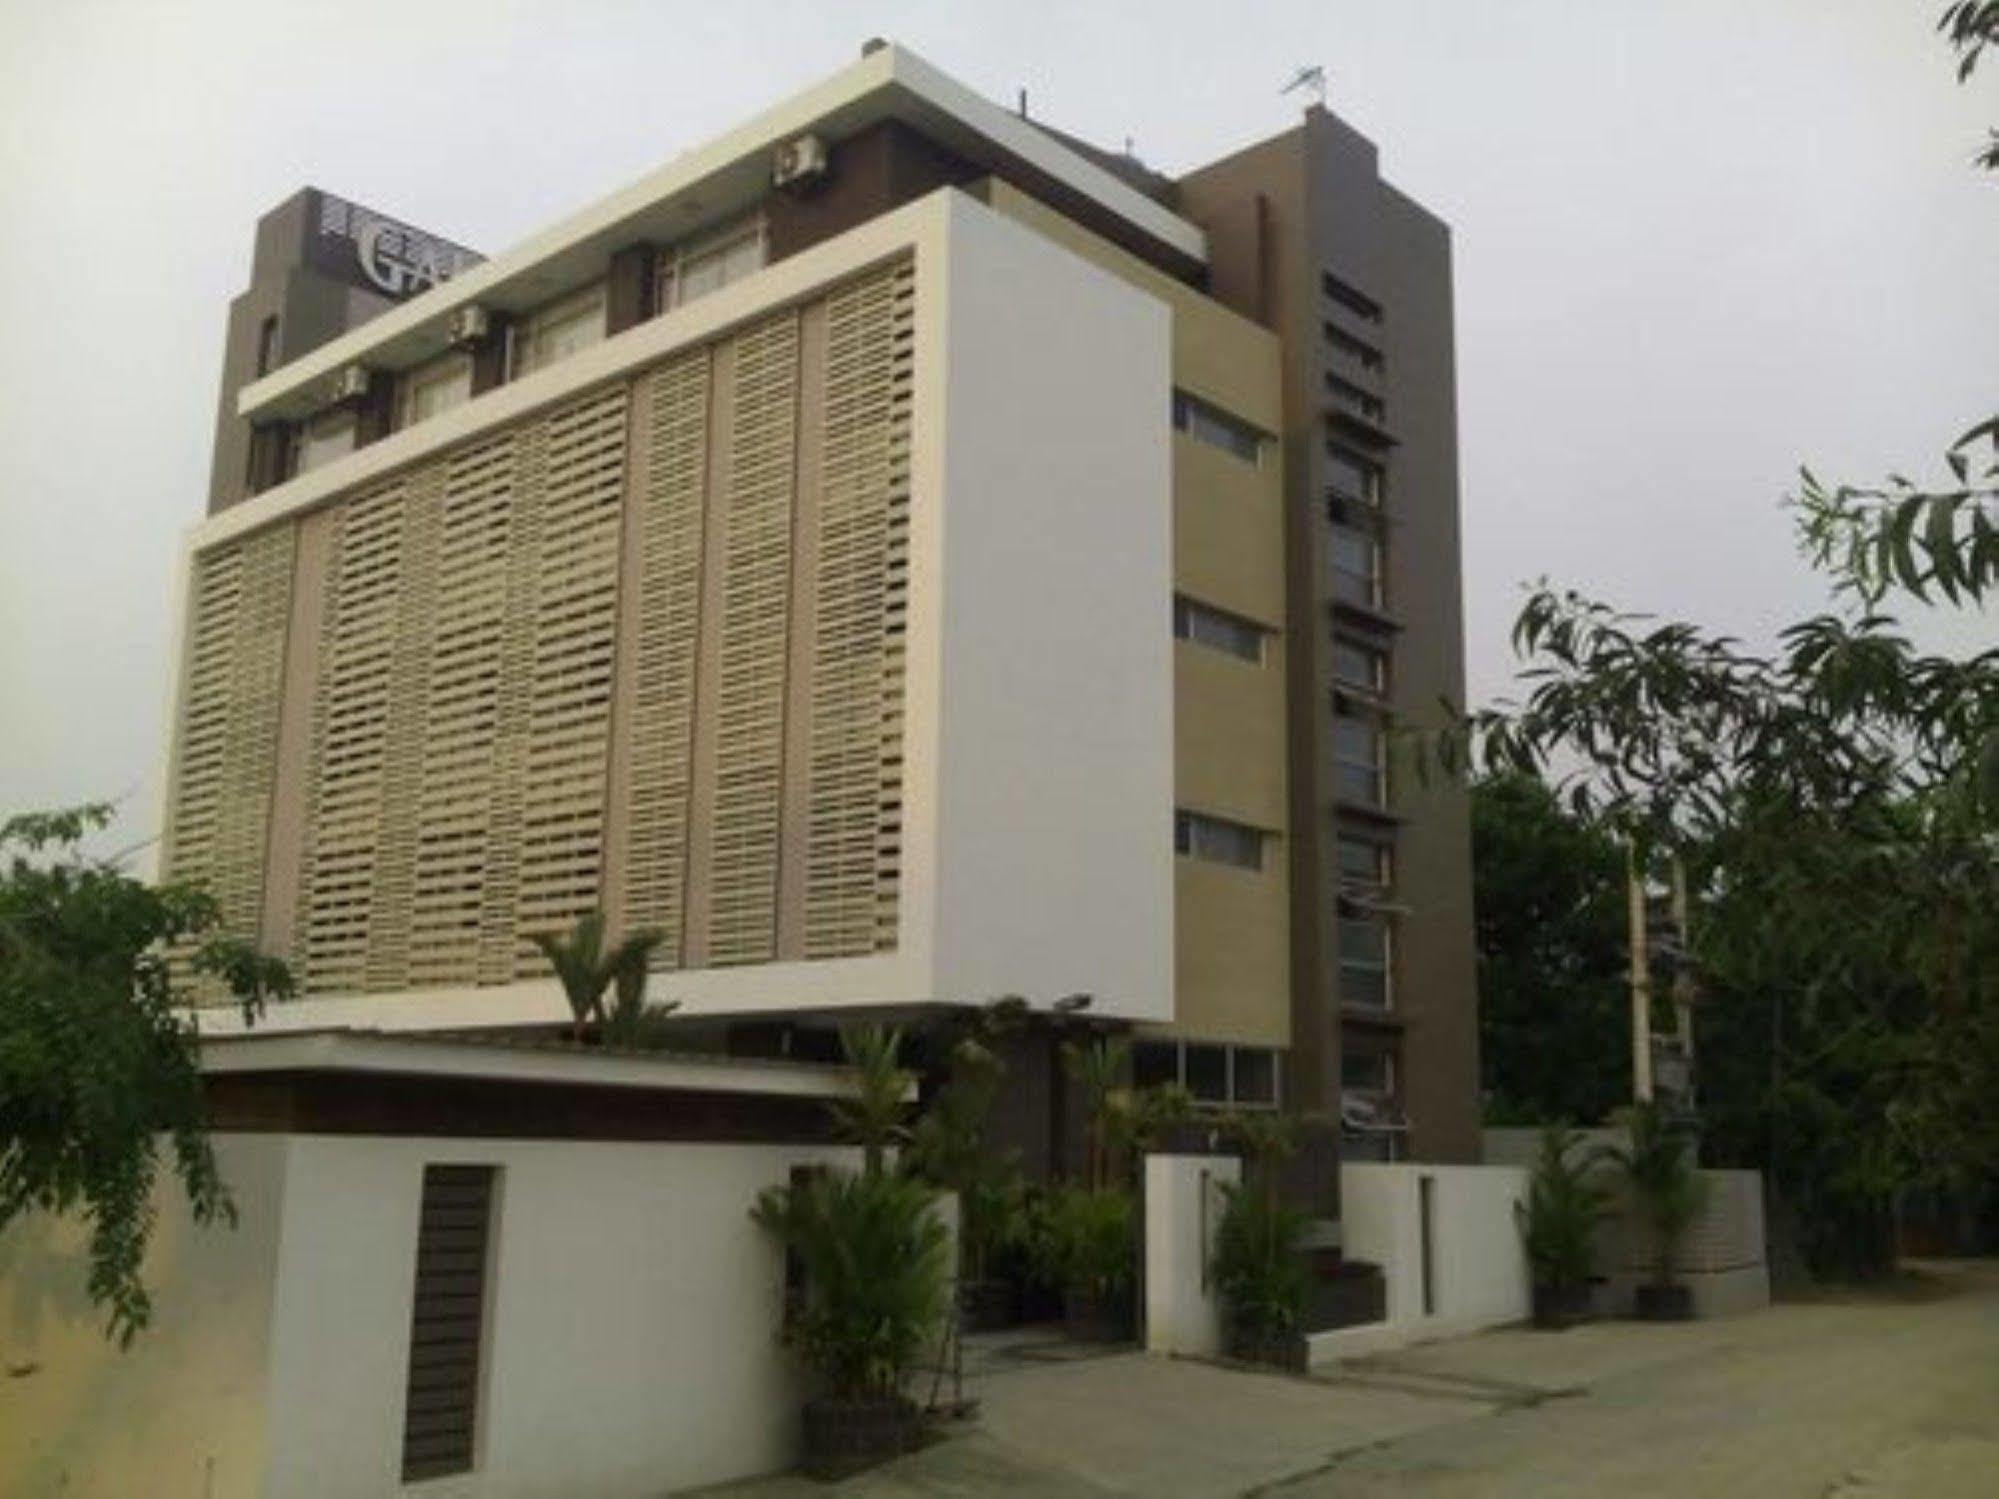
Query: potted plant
[[1083, 1243], [1566, 1200], [874, 1262], [1669, 1191]]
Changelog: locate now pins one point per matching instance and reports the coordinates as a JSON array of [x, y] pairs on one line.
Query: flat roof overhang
[[724, 177]]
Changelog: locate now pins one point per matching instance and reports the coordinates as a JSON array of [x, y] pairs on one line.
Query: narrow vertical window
[[447, 1321], [267, 345]]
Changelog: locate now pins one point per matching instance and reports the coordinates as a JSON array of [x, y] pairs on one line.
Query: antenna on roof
[[1023, 104], [1312, 78]]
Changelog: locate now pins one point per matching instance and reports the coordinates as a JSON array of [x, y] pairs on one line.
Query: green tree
[[872, 1116], [587, 972], [1548, 897], [98, 1058]]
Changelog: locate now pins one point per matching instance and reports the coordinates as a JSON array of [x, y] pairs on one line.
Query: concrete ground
[[1848, 1396]]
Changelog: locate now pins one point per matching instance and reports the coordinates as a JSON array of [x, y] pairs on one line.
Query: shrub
[[1257, 1268], [1083, 1242], [875, 1259]]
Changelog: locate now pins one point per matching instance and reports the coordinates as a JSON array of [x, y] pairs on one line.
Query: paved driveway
[[1849, 1397]]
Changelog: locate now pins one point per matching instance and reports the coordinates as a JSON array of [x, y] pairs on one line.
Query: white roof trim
[[889, 67], [359, 1051]]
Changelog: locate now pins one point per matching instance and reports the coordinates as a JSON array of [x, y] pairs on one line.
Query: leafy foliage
[[1548, 897], [1258, 1269], [586, 972], [1659, 1165], [1083, 1241], [1566, 1200], [97, 1062], [951, 1145], [875, 1260], [1121, 1122]]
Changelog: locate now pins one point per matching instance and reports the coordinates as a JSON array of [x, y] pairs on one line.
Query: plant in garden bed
[[1669, 1190], [1566, 1200], [586, 971]]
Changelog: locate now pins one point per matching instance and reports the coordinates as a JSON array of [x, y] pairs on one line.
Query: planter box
[[1343, 1292], [1282, 1350], [1674, 1303], [988, 1305], [1092, 1319], [845, 1436], [1557, 1307]]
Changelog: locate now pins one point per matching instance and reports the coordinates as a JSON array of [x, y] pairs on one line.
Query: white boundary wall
[[631, 1329], [1479, 1274], [1183, 1206]]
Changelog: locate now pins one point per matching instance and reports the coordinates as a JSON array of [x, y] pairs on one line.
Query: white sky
[[1697, 243]]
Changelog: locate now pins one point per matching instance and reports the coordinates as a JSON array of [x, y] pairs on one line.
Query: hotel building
[[899, 552]]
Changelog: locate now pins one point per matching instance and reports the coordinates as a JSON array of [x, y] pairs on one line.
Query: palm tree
[[586, 971], [1659, 1165], [872, 1118]]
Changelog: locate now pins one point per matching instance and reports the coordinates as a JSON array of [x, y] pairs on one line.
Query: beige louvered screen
[[219, 805], [853, 861], [674, 404], [749, 688], [457, 797]]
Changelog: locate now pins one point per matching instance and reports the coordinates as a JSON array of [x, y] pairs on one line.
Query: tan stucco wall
[[1231, 926], [179, 1414]]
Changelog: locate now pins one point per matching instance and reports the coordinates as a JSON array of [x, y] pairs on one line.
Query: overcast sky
[[1697, 243]]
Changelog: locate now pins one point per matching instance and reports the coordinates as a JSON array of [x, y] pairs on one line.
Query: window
[[1207, 1073], [1360, 771], [447, 1321], [325, 438], [1212, 425], [434, 388], [1356, 565], [1367, 1072], [267, 345], [1364, 957], [1239, 1076], [1361, 403], [1354, 353], [557, 331], [1364, 862], [1360, 667], [1216, 630], [1252, 1076], [691, 271], [1352, 298], [1217, 840], [1352, 477]]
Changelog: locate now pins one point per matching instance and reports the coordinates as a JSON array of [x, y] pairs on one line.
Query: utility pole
[[1641, 982], [1683, 979]]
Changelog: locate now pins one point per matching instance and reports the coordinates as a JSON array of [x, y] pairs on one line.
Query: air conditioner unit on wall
[[468, 325], [350, 384], [799, 162]]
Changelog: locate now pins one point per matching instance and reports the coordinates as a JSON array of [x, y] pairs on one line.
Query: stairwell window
[[1362, 668], [1349, 476], [1355, 559], [1216, 427], [1350, 297], [1216, 840], [1366, 948], [1360, 761], [1365, 862]]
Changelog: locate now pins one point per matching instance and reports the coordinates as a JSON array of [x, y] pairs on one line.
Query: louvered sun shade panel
[[462, 717], [853, 857], [574, 615], [219, 820], [749, 693], [673, 402]]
